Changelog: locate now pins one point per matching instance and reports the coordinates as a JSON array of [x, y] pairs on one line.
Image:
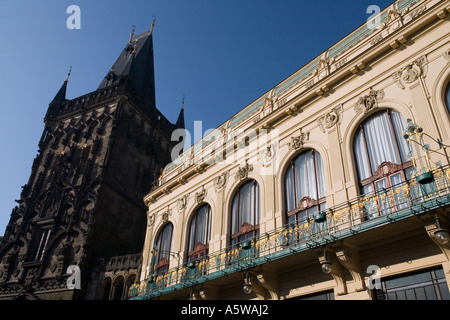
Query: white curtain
[[246, 206], [235, 215], [301, 185], [311, 176], [320, 177], [192, 234], [289, 184], [309, 179], [380, 141], [362, 163], [399, 127]]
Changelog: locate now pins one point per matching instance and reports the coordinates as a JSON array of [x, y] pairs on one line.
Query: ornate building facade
[[82, 205], [332, 185]]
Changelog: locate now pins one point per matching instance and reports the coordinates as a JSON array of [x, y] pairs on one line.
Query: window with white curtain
[[163, 248], [381, 152], [304, 186], [245, 212], [199, 233]]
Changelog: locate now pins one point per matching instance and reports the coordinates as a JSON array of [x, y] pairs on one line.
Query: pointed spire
[[61, 95], [135, 63], [68, 75], [153, 24], [131, 34], [180, 121]]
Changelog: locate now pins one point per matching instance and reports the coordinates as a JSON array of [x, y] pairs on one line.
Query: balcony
[[388, 206]]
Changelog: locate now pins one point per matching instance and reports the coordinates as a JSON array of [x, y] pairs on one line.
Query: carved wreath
[[330, 119]]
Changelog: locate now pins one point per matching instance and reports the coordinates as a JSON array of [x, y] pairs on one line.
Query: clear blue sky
[[222, 55]]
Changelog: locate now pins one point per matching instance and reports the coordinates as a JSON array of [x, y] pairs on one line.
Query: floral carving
[[242, 173], [221, 181], [411, 72], [181, 203], [370, 101], [330, 119], [200, 196], [298, 141]]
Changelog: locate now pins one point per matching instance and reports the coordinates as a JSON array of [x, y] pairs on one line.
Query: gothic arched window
[[163, 248], [381, 152], [245, 212], [304, 186], [199, 233]]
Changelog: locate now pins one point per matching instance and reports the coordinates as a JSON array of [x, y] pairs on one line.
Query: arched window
[[199, 233], [381, 152], [304, 186], [163, 247], [245, 212]]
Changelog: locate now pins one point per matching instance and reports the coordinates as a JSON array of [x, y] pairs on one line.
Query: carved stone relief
[[165, 215], [242, 173], [150, 220], [221, 181], [330, 119], [298, 141], [200, 196], [447, 55], [369, 101], [411, 72], [181, 203]]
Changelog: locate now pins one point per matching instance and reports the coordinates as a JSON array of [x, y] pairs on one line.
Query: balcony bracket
[[348, 256]]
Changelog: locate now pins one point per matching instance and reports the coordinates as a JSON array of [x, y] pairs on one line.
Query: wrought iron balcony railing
[[363, 213]]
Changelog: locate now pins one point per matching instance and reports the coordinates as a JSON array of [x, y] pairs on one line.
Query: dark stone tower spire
[[83, 203], [180, 121], [135, 65]]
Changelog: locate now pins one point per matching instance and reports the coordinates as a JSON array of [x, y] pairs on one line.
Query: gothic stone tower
[[83, 202]]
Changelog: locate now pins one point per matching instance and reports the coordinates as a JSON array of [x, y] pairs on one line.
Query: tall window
[[381, 152], [39, 244], [304, 186], [199, 233], [245, 212], [163, 247]]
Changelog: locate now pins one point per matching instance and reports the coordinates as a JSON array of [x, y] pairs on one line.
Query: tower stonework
[[83, 203]]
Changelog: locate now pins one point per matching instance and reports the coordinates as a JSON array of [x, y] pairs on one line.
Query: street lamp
[[441, 235], [326, 264], [414, 135], [247, 285]]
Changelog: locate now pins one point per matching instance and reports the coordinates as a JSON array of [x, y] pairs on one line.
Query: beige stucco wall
[[422, 100]]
